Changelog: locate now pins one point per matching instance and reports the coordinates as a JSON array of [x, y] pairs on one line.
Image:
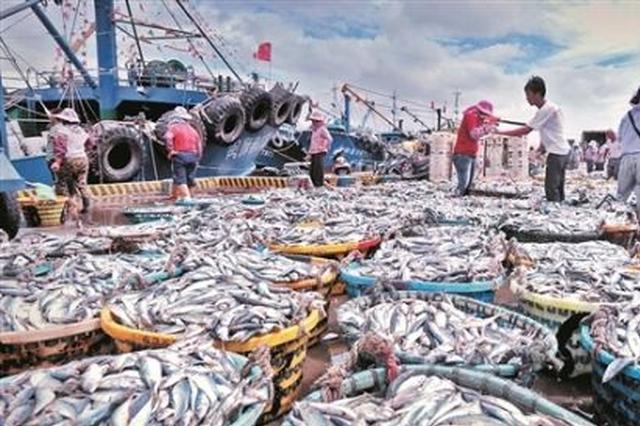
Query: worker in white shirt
[[549, 121]]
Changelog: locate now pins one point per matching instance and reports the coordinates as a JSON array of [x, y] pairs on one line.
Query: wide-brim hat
[[68, 115], [181, 112], [485, 107], [317, 116]]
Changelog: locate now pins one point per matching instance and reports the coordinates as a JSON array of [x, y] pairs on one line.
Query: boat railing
[[56, 78]]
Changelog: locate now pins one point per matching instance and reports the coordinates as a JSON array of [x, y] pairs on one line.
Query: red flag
[[264, 52]]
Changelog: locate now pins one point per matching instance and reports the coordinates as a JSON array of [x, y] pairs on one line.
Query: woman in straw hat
[[320, 144], [68, 143]]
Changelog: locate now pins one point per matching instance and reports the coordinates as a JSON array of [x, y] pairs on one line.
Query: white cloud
[[399, 50]]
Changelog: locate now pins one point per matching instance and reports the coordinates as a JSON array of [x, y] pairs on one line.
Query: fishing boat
[[129, 108]]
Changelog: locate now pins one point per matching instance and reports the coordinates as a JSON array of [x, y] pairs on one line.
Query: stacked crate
[[517, 156], [441, 148], [503, 156]]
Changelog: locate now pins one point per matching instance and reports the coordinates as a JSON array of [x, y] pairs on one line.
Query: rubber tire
[[9, 213], [297, 103], [281, 105], [112, 137], [277, 142], [257, 108], [216, 113], [162, 123]]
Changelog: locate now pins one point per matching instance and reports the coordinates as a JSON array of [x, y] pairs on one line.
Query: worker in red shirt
[[477, 121], [184, 146]]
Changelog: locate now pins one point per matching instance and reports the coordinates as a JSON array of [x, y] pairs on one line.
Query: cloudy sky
[[587, 51]]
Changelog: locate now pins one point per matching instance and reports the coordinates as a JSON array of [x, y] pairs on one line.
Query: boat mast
[[107, 59]]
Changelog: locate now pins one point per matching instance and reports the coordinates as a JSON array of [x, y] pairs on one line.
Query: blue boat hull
[[353, 148]]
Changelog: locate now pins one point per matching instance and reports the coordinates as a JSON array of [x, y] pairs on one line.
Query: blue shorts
[[184, 167]]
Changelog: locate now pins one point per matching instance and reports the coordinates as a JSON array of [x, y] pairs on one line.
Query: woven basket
[[499, 194], [288, 352], [45, 213], [150, 214], [359, 284], [623, 235], [324, 285], [508, 319], [20, 351], [553, 312], [543, 237], [619, 398], [333, 251], [374, 381]]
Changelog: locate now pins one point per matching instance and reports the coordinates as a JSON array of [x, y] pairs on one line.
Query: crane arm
[[346, 89]]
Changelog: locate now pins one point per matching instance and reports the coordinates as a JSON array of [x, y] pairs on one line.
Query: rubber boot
[[86, 203]]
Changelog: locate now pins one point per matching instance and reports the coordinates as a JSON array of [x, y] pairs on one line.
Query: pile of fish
[[258, 266], [573, 255], [562, 220], [440, 254], [616, 329], [505, 187], [418, 399], [70, 290], [440, 332], [594, 271], [226, 308], [31, 249], [187, 384]]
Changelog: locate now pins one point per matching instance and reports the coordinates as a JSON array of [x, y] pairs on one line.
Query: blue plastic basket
[[507, 319], [618, 400], [482, 290], [150, 214], [374, 381]]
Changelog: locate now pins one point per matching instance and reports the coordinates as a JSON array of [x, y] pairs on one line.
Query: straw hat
[[317, 116], [181, 112], [67, 115]]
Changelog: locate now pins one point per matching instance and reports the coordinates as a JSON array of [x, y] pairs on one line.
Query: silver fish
[[88, 395]]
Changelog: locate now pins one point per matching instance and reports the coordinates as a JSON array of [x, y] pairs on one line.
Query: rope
[[371, 343], [191, 44], [13, 61], [261, 356]]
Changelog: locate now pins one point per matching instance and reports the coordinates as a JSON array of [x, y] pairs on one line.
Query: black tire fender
[[281, 105], [9, 213], [120, 154], [257, 105], [297, 103], [223, 118]]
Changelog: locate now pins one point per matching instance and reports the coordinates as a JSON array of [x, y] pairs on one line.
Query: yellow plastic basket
[[49, 212], [327, 250]]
